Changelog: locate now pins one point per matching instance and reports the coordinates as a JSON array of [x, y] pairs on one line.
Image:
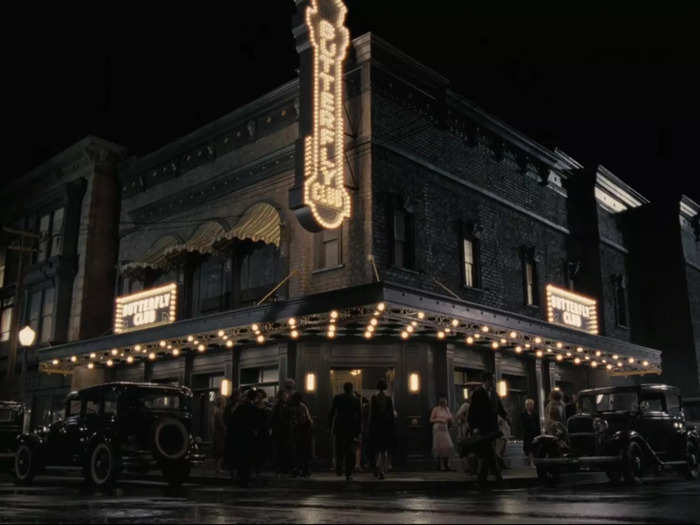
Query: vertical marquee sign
[[571, 310], [319, 198]]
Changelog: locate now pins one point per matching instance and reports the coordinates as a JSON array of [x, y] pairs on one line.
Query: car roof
[[128, 385], [646, 387]]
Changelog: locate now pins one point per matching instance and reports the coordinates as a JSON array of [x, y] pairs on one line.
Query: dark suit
[[345, 420], [483, 415]]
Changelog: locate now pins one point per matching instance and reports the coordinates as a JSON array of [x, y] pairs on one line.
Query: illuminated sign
[[571, 310], [145, 309], [324, 193]]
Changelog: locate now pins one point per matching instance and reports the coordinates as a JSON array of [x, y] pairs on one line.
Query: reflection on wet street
[[66, 500]]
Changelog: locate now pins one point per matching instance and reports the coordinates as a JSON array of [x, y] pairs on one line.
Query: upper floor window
[[621, 313], [51, 234], [402, 237], [257, 271], [530, 291], [328, 245], [212, 284], [41, 313]]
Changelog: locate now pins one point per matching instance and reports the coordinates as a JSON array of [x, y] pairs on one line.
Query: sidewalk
[[325, 480]]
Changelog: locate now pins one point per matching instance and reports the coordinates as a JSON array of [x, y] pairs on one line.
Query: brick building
[[469, 247], [61, 219]]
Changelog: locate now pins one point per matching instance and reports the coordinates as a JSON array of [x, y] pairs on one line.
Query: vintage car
[[11, 423], [691, 408], [624, 431], [115, 427]]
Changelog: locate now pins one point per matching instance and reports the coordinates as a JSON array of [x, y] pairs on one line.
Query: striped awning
[[260, 222]]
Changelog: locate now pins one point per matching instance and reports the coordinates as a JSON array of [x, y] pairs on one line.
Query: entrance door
[[514, 402]]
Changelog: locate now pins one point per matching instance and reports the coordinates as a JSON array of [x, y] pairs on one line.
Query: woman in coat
[[441, 419]]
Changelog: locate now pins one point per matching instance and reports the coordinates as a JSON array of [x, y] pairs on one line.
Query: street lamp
[[27, 336]]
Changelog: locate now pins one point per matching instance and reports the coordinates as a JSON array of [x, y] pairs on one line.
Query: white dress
[[442, 442]]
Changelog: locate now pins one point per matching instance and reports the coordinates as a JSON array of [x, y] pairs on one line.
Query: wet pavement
[[63, 499]]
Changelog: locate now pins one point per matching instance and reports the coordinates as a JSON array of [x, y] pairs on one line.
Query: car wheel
[[545, 474], [176, 473], [25, 464], [102, 465], [693, 461], [633, 467]]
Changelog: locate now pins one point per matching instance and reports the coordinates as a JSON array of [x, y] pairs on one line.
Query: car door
[[655, 425], [678, 422], [61, 434]]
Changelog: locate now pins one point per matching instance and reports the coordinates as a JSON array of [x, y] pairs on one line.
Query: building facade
[[469, 247], [61, 219]]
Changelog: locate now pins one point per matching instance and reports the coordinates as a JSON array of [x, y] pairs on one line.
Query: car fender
[[622, 438], [545, 440], [90, 441]]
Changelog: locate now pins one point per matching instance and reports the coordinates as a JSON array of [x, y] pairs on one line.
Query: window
[[257, 272], [328, 248], [73, 408], [5, 324], [212, 285], [51, 232], [402, 238], [466, 380], [41, 313], [673, 404], [530, 277], [266, 379], [620, 300], [469, 255], [652, 403]]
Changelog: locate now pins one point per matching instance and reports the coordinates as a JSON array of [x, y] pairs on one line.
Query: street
[[60, 499]]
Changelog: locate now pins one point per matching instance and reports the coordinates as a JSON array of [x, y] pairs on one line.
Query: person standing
[[531, 429], [441, 419], [263, 442], [555, 413], [301, 423], [381, 423], [485, 408], [245, 422], [345, 419], [280, 425], [463, 434], [217, 431], [230, 445]]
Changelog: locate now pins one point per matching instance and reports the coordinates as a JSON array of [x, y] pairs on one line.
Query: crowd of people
[[247, 426]]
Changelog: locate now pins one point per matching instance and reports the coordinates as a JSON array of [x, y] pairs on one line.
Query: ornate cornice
[[278, 162]]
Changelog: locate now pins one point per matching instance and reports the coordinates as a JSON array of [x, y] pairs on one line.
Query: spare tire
[[170, 438]]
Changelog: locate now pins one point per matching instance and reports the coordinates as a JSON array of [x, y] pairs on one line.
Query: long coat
[[381, 423]]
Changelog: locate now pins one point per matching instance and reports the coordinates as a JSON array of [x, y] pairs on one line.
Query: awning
[[261, 222], [383, 311]]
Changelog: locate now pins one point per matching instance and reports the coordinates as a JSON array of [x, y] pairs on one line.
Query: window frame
[[620, 287], [50, 246], [41, 315], [468, 233], [323, 238], [529, 261], [408, 244]]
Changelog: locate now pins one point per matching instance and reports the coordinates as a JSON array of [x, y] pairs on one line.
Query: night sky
[[616, 87]]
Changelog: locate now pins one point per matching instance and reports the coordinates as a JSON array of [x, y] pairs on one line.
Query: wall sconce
[[502, 388], [414, 383], [465, 393], [27, 336], [310, 382], [226, 387]]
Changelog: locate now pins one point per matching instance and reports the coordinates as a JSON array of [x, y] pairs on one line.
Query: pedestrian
[[484, 410], [531, 429], [365, 444], [301, 423], [441, 419], [500, 443], [569, 405], [381, 422], [345, 418], [263, 443], [463, 434], [555, 413], [246, 424], [217, 431], [280, 426], [229, 446]]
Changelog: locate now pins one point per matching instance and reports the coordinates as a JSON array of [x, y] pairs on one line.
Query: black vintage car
[[115, 427], [623, 431], [11, 422]]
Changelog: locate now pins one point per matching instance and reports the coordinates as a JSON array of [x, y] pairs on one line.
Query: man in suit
[[483, 415], [347, 413]]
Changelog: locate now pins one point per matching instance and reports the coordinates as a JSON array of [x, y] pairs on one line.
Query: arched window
[[257, 270]]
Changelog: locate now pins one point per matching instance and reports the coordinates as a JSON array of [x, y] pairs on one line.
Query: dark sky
[[609, 85]]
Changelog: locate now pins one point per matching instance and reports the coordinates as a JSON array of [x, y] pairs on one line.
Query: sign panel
[[145, 309], [325, 201], [571, 310]]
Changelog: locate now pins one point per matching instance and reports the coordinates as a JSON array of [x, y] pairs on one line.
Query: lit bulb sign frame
[[320, 198], [145, 309], [572, 310]]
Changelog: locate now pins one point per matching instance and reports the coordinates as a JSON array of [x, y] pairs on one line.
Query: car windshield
[[610, 402]]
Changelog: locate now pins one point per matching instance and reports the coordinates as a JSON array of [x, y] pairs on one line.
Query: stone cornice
[[244, 125], [614, 193], [277, 162]]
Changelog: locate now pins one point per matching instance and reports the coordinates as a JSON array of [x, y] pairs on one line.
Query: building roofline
[[611, 183], [688, 207]]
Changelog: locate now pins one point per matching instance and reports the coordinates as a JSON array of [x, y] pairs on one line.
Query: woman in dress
[[441, 419]]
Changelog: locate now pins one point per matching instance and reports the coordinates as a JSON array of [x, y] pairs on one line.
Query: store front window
[[261, 378]]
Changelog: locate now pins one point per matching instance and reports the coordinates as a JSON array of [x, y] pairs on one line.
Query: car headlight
[[600, 425]]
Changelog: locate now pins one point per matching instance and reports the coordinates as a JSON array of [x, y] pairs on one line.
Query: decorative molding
[[620, 196], [278, 162]]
